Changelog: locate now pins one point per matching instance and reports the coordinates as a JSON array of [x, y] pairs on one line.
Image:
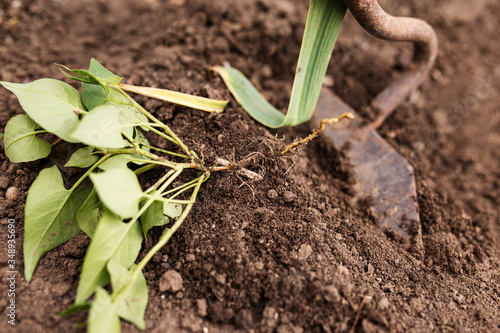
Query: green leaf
[[89, 213], [131, 303], [323, 24], [50, 216], [21, 143], [52, 104], [111, 237], [158, 214], [102, 127], [74, 309], [102, 72], [95, 95], [82, 158], [119, 190], [130, 247], [2, 135], [153, 217], [103, 316], [172, 210], [82, 75]]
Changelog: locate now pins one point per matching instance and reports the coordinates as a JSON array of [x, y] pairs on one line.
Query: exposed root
[[322, 125], [358, 314], [227, 165]]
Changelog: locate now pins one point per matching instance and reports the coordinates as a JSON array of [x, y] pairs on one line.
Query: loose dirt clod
[[289, 196], [170, 281], [272, 194], [4, 182]]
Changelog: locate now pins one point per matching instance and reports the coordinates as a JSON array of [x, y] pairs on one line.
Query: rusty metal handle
[[377, 22]]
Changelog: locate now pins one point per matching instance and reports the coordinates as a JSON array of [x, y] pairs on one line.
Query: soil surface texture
[[288, 253]]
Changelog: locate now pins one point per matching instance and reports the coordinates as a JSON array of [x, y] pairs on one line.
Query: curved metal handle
[[377, 22]]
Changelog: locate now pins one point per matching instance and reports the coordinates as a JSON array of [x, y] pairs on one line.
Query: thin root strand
[[311, 136]]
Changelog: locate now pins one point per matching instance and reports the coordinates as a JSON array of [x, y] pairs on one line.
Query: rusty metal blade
[[380, 172]]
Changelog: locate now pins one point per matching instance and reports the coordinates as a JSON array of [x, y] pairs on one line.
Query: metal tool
[[381, 173]]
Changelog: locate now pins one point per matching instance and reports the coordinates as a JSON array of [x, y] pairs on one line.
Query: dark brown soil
[[250, 260]]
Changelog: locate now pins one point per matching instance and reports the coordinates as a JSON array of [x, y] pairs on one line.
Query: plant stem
[[89, 171], [163, 239], [145, 168], [154, 130], [165, 151], [167, 129]]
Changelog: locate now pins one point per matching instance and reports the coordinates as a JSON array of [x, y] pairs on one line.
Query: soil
[[288, 253]]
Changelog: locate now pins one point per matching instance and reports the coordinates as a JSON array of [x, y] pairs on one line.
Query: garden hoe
[[380, 172]]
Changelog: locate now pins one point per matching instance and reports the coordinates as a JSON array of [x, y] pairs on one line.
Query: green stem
[[193, 182], [167, 129], [89, 171], [169, 200], [169, 164], [163, 135], [163, 239], [145, 168], [165, 151]]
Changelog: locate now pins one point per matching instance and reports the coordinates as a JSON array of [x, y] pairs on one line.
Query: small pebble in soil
[[190, 257], [383, 304], [305, 251], [11, 193], [170, 281], [272, 194], [289, 196], [370, 269], [201, 304]]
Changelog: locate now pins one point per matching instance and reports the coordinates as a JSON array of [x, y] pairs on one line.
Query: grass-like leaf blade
[[52, 104], [195, 102], [21, 143], [323, 24], [50, 216], [131, 303]]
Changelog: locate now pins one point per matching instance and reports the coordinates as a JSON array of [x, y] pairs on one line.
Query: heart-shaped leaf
[[52, 104], [50, 216], [21, 143]]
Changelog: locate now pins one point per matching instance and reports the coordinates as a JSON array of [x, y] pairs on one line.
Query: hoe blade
[[380, 172]]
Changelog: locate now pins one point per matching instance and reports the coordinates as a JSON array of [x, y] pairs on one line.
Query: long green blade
[[195, 102], [322, 28]]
